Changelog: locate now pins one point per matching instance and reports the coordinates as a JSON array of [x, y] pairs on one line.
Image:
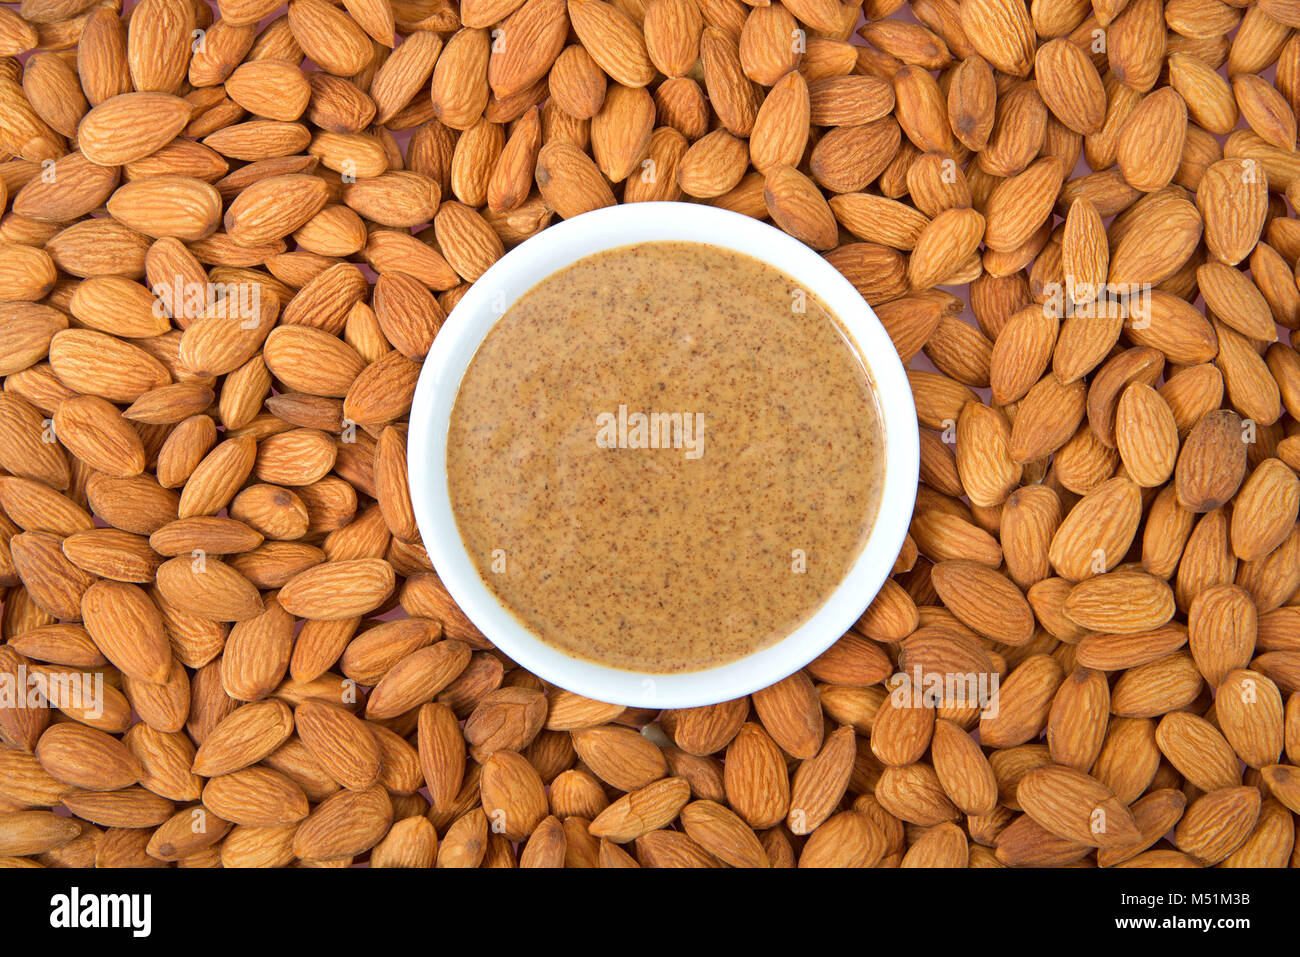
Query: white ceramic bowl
[[516, 273]]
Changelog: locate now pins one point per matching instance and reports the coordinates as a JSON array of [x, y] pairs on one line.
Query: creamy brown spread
[[665, 457]]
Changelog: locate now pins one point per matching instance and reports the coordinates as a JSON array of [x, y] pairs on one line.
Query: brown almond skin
[[127, 627], [505, 719], [849, 839], [1024, 703], [86, 758], [756, 783], [347, 823], [1217, 823], [345, 748], [719, 831], [790, 712], [707, 729], [973, 592], [1212, 464], [243, 738], [1256, 733], [1076, 807], [964, 772], [619, 756]]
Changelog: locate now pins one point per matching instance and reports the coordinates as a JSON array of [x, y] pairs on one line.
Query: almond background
[[208, 510]]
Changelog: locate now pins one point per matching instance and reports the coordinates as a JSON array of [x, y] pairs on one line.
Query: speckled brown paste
[[646, 559]]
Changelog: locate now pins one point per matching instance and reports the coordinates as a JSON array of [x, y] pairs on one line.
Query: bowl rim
[[519, 270]]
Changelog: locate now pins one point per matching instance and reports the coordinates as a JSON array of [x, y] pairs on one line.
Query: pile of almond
[[230, 235]]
